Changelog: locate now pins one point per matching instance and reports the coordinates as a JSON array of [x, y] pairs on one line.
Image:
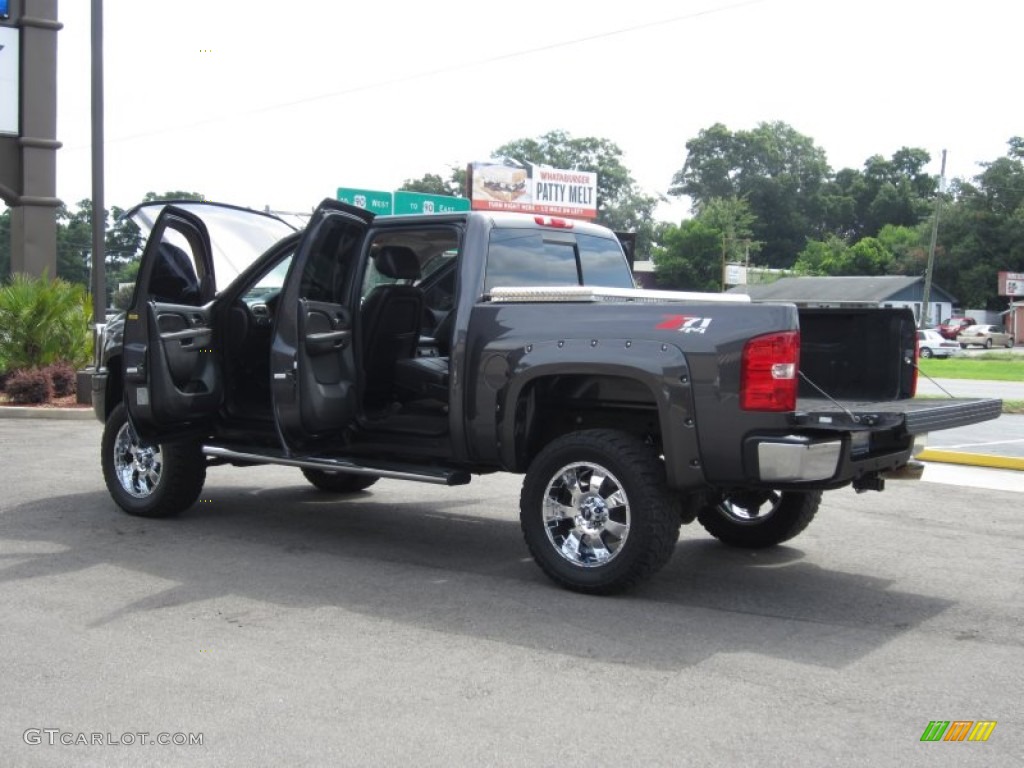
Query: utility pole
[[923, 322], [99, 218]]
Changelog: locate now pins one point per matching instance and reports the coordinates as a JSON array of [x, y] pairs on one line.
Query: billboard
[[497, 185], [1011, 284]]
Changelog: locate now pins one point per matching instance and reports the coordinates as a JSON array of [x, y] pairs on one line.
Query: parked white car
[[931, 343]]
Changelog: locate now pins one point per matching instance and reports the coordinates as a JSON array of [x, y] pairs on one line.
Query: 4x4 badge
[[684, 323]]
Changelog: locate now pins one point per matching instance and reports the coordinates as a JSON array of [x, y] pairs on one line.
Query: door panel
[[314, 371], [185, 377], [326, 360], [172, 375]]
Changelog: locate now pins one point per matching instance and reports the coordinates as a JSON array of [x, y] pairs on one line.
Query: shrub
[[63, 378], [42, 321], [29, 386]]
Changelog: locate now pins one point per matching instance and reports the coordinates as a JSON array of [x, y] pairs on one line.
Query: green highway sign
[[417, 202], [373, 200]]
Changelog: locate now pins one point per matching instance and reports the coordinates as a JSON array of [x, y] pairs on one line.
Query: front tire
[[338, 482], [759, 519], [926, 352], [149, 481], [596, 513]]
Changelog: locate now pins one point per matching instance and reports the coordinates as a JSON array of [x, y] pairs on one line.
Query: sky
[[278, 103]]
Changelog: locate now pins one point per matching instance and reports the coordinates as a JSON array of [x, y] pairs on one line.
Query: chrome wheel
[[759, 518], [750, 508], [137, 468], [586, 514]]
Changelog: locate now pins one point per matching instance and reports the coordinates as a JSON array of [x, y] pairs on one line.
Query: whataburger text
[[564, 187]]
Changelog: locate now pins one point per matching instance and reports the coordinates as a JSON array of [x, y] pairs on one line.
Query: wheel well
[[556, 405]]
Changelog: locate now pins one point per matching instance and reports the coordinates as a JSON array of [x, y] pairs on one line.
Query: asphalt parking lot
[[406, 626]]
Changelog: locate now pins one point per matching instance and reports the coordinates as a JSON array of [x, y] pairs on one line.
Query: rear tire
[[596, 513], [988, 343], [758, 519], [338, 482], [149, 481]]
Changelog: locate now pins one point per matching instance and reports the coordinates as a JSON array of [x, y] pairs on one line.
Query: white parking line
[[974, 477]]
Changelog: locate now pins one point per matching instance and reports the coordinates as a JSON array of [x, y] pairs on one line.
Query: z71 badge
[[684, 323]]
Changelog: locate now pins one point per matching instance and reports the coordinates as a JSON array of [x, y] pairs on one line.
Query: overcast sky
[[279, 102]]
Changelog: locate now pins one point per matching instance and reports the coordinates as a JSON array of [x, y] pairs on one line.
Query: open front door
[[172, 376], [313, 366]]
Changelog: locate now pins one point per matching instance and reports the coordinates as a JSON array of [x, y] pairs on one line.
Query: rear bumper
[[795, 458]]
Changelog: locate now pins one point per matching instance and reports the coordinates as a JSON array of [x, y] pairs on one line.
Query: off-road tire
[[739, 520], [157, 481], [605, 538], [338, 482]]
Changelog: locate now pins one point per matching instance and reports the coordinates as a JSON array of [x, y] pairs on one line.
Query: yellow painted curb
[[971, 459]]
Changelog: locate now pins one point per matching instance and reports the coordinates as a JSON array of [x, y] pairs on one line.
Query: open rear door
[[172, 375], [314, 369]]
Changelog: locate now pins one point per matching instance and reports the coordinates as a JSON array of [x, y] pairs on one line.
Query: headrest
[[398, 262]]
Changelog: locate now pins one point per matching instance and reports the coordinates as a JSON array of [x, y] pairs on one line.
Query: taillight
[[768, 373]]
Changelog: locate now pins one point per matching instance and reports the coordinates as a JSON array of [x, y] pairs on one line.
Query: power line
[[440, 71]]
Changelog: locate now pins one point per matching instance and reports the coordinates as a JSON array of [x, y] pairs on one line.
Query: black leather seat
[[427, 377], [391, 316]]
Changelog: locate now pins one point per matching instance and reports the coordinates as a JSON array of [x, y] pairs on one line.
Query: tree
[[895, 191], [433, 184], [982, 231], [689, 258], [778, 171], [175, 195]]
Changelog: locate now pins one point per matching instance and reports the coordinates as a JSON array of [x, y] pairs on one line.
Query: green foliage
[[822, 257], [994, 366], [43, 321], [778, 171], [690, 257], [433, 184], [174, 195]]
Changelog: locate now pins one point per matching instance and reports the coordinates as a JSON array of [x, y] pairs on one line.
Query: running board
[[393, 471]]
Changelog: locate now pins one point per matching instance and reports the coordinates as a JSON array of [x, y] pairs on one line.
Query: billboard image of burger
[[500, 182]]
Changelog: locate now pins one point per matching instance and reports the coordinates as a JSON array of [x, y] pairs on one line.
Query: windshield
[[238, 236]]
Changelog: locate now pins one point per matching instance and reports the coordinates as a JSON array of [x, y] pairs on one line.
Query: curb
[[61, 414], [971, 459]]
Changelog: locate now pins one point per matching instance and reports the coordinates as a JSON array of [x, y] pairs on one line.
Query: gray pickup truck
[[433, 348]]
